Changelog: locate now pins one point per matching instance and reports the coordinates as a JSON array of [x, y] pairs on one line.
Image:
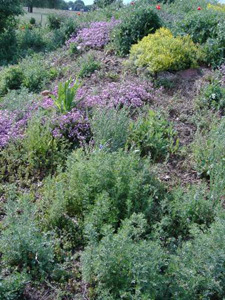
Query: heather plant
[[153, 135], [198, 268], [110, 128], [162, 51], [65, 99], [127, 93], [136, 23], [96, 36], [120, 178], [140, 264], [73, 126], [88, 65], [23, 245]]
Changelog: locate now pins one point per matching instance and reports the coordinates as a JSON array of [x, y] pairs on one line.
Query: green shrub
[[18, 100], [36, 155], [36, 73], [12, 286], [136, 23], [185, 209], [208, 149], [110, 128], [121, 180], [11, 79], [30, 41], [162, 51], [198, 270], [66, 95], [200, 25], [8, 46], [153, 135], [123, 265], [32, 21], [213, 96], [54, 21], [89, 65], [23, 246], [73, 48]]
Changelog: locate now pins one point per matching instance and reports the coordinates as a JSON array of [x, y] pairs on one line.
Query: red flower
[[78, 13], [132, 3], [158, 7], [199, 8]]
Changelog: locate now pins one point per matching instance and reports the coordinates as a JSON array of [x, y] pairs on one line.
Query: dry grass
[[40, 14]]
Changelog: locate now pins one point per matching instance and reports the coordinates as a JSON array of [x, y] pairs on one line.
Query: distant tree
[[8, 10], [78, 5], [103, 3]]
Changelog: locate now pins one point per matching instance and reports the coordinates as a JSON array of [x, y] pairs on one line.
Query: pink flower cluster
[[10, 129], [96, 36], [118, 94]]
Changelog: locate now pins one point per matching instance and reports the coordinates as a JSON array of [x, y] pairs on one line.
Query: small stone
[[45, 93]]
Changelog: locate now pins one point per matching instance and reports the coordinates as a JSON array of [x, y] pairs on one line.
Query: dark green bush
[[124, 265], [30, 41], [11, 79], [8, 47], [136, 23], [153, 135], [200, 25], [54, 21]]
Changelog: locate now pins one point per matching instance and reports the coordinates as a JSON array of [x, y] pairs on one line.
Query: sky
[[88, 2]]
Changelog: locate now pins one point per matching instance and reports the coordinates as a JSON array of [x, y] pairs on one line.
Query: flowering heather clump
[[9, 128], [73, 126], [132, 94], [96, 36]]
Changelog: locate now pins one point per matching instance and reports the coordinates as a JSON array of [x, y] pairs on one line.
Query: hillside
[[112, 137]]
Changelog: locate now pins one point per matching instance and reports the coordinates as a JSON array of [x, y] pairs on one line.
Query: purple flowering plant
[[96, 36]]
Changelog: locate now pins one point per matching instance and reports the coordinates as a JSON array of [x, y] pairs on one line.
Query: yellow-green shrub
[[218, 7], [162, 51]]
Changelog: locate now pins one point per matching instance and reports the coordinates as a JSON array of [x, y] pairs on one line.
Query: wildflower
[[158, 7], [78, 13], [132, 3], [199, 8]]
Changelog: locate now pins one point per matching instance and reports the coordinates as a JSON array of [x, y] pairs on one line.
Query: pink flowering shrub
[[96, 36], [117, 94]]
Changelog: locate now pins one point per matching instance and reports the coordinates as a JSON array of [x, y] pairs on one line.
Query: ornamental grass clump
[[96, 36], [162, 51]]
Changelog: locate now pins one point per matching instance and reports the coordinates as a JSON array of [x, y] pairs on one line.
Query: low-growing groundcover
[[112, 187]]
